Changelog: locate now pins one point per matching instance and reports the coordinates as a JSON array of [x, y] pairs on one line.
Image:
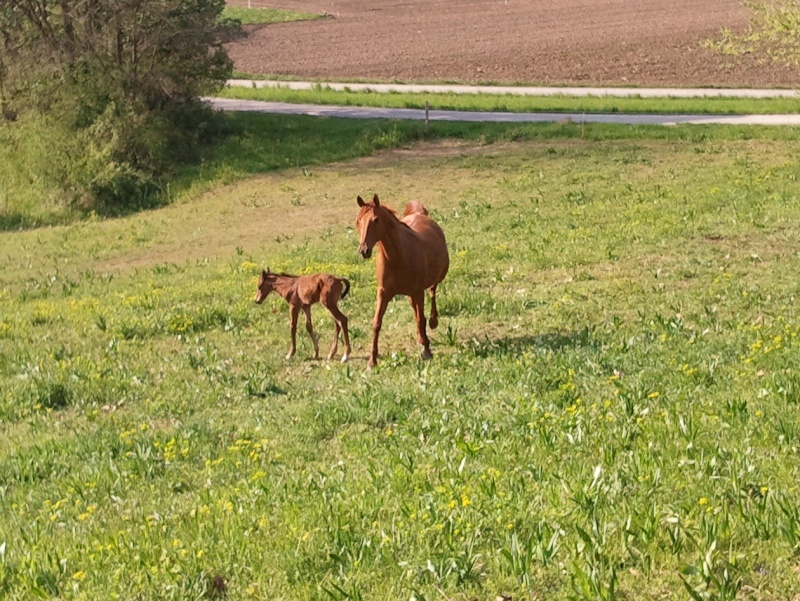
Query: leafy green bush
[[118, 90]]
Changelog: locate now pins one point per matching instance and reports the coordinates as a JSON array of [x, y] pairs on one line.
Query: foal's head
[[370, 227], [266, 284]]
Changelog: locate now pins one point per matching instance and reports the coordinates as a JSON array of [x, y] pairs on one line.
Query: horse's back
[[415, 206], [318, 286], [435, 258]]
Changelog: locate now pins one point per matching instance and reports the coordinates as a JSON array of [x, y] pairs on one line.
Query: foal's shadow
[[555, 340]]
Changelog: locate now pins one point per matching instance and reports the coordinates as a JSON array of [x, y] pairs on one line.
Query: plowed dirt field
[[549, 42]]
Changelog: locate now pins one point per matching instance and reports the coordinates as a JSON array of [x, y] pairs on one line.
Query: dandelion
[[80, 576], [703, 501]]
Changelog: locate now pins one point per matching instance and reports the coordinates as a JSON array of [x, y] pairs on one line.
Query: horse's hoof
[[345, 358], [426, 355], [433, 322], [289, 356]]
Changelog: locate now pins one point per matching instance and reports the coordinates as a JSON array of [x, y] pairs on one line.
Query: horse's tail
[[346, 283], [415, 206]]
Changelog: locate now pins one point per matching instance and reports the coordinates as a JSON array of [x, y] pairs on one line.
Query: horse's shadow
[[556, 340]]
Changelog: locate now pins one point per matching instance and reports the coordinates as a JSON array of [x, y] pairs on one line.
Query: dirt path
[[545, 42]]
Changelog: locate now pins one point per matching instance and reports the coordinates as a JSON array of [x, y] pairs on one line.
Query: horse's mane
[[412, 207], [389, 210], [392, 214]]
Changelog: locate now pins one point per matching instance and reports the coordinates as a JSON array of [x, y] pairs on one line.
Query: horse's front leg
[[434, 319], [310, 330], [418, 304], [377, 321], [294, 313]]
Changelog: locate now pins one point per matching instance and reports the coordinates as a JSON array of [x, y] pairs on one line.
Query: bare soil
[[548, 42]]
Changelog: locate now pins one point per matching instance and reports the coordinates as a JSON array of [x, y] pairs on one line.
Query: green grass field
[[612, 410], [265, 16], [517, 104]]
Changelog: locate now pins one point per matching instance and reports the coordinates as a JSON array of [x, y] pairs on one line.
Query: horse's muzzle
[[366, 253]]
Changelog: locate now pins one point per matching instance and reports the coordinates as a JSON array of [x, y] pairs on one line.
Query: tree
[[773, 32], [123, 77]]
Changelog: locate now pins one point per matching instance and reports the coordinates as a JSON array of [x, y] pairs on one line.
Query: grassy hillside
[[611, 410]]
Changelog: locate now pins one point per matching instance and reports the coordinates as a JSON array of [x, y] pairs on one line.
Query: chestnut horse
[[303, 291], [412, 257]]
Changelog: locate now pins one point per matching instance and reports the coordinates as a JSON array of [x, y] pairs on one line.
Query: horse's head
[[369, 225], [266, 284]]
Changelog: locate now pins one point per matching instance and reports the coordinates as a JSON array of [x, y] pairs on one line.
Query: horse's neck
[[285, 285], [394, 242]]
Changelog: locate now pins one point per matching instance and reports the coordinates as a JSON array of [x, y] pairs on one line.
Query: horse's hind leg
[[310, 328], [418, 304], [340, 319], [294, 312], [434, 319]]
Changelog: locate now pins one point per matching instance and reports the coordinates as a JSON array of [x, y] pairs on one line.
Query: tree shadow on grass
[[555, 341]]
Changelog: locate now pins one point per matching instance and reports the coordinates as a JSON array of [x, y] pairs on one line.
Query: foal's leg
[[434, 319], [377, 321], [418, 304], [343, 323], [294, 314], [310, 328], [340, 321]]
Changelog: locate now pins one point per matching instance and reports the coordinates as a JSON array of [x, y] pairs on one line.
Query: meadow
[[515, 103], [611, 411], [264, 16]]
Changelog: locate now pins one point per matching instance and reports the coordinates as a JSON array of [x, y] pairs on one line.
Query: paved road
[[283, 108], [526, 90]]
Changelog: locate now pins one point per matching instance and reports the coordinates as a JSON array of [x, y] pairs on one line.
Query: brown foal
[[303, 291]]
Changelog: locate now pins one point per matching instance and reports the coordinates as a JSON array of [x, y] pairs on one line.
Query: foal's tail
[[346, 283]]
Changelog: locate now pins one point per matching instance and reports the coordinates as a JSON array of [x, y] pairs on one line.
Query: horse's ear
[[375, 201], [360, 201], [265, 272]]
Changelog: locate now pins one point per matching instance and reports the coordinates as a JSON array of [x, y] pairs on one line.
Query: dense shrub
[[118, 84]]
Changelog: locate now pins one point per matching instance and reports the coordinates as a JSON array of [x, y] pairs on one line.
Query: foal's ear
[[375, 201], [265, 272], [360, 201]]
